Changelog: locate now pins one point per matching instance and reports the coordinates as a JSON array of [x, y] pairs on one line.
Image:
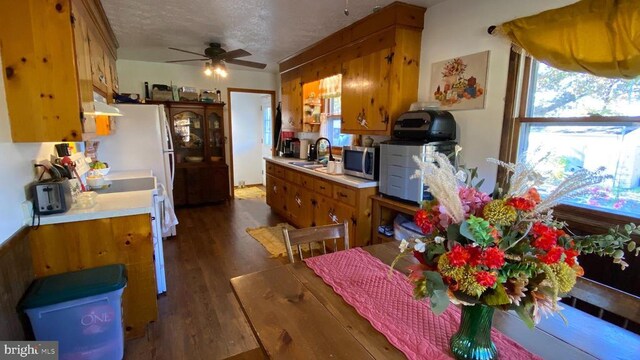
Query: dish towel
[[386, 300], [169, 219]]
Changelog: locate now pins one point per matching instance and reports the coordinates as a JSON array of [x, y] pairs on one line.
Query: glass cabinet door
[[188, 132], [215, 136]]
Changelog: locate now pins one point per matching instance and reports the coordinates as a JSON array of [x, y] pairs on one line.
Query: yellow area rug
[[272, 239], [251, 192]]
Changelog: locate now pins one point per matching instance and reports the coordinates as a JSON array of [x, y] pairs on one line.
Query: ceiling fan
[[216, 56]]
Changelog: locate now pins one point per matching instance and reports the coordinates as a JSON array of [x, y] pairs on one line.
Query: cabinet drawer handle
[[298, 200], [321, 187], [333, 216], [275, 189], [341, 194]]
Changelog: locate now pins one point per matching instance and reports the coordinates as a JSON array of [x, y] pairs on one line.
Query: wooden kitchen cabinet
[[127, 240], [366, 83], [306, 200], [98, 66], [197, 130], [291, 101], [379, 59], [45, 66]]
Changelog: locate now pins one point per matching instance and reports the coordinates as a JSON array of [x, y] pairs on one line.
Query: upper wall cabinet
[[47, 66], [291, 100], [379, 59]]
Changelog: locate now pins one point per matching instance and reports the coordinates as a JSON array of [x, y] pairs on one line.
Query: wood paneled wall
[[16, 273]]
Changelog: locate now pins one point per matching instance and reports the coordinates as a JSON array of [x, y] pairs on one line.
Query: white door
[[267, 132], [246, 124]]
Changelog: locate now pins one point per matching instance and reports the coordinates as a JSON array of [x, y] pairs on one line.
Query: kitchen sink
[[122, 185], [307, 164]]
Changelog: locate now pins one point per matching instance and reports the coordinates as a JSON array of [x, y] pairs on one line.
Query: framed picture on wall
[[460, 83]]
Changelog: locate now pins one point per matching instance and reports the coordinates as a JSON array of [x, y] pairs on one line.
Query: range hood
[[102, 108]]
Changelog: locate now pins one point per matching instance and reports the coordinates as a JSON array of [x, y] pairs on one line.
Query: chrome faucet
[[318, 149]]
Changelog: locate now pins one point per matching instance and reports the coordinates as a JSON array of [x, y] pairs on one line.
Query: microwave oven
[[361, 161]]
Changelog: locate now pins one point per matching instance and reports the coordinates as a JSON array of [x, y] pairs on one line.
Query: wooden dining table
[[294, 314]]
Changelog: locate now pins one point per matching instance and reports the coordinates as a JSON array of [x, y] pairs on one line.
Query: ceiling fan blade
[[177, 61], [247, 63], [234, 54], [188, 52]]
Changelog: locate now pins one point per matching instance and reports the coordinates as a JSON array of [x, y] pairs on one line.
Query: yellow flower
[[499, 213], [463, 275], [565, 276]]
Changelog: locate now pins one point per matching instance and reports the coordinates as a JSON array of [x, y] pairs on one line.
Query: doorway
[[251, 114]]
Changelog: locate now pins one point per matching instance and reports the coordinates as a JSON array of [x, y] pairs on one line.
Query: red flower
[[423, 219], [458, 256], [545, 237], [570, 256], [533, 195], [552, 256], [486, 278], [521, 203], [493, 258], [475, 254]]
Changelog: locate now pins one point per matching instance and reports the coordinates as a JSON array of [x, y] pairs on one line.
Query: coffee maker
[[290, 147]]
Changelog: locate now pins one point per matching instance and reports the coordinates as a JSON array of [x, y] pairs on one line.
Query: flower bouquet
[[503, 251]]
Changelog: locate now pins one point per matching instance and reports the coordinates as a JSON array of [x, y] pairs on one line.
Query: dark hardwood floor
[[199, 317]]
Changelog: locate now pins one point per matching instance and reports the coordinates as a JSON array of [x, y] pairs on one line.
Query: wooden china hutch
[[202, 174]]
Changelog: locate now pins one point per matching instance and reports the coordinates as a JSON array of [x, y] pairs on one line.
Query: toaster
[[51, 196]]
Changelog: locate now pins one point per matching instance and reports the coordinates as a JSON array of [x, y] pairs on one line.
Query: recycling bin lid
[[73, 285]]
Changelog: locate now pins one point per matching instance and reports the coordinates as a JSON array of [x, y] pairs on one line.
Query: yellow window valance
[[601, 37]]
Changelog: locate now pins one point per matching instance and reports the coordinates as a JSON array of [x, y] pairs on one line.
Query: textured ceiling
[[269, 29]]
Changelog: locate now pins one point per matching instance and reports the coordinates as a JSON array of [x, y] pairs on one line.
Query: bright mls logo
[[41, 350]]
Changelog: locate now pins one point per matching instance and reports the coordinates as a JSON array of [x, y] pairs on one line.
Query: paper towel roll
[[304, 148]]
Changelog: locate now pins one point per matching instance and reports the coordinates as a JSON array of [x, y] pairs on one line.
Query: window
[[334, 122], [580, 121], [266, 125]]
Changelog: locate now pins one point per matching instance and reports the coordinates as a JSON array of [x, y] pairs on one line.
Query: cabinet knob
[[298, 200]]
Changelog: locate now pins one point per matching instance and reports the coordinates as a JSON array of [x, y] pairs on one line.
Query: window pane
[[266, 125], [335, 136], [616, 147], [557, 93]]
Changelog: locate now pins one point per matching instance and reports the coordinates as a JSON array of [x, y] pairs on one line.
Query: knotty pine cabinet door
[[329, 211], [299, 206], [39, 71], [291, 90], [366, 98]]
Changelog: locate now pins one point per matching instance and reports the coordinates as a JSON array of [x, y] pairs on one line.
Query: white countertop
[[109, 205], [130, 174], [343, 179]]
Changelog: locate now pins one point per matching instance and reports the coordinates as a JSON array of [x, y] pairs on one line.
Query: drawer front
[[306, 181], [279, 170], [271, 168], [293, 176], [322, 187], [344, 195]]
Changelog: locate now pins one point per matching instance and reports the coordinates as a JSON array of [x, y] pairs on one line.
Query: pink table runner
[[387, 303]]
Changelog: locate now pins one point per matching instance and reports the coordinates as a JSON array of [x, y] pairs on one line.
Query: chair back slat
[[312, 235], [607, 299]]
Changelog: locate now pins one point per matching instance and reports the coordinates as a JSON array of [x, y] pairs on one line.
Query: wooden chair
[[606, 298], [316, 234]]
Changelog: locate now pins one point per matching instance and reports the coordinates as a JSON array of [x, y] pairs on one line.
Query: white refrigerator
[[141, 140]]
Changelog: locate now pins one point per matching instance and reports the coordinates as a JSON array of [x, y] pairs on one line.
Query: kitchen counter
[[108, 205], [342, 179]]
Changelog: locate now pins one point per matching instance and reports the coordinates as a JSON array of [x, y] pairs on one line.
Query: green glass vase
[[473, 339]]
